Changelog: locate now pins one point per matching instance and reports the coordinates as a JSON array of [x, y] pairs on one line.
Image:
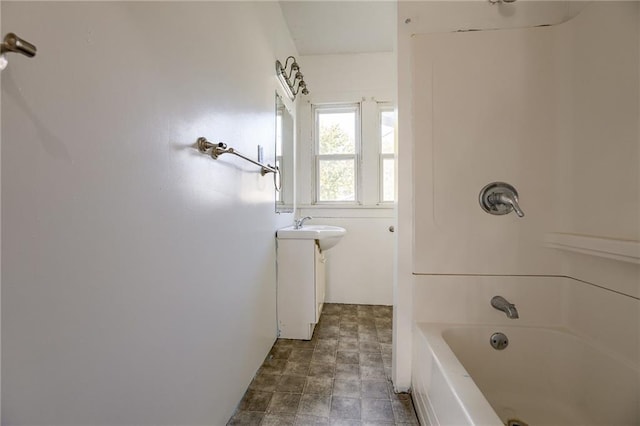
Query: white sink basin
[[327, 236]]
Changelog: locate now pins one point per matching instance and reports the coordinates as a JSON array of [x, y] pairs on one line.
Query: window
[[353, 154], [337, 153], [387, 153]]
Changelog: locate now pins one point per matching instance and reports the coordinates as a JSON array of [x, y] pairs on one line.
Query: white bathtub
[[544, 377]]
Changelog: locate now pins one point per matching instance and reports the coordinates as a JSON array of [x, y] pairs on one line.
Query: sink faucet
[[297, 224], [501, 304]]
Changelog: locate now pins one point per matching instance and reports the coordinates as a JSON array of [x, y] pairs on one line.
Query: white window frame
[[356, 156], [384, 107]]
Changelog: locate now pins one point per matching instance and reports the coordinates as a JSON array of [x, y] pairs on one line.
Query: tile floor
[[340, 377]]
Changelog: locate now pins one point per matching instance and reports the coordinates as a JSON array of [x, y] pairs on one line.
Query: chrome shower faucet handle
[[500, 198]]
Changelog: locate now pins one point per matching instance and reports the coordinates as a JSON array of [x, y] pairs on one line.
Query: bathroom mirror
[[284, 156]]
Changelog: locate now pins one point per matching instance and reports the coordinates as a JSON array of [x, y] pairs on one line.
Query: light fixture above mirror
[[285, 74]]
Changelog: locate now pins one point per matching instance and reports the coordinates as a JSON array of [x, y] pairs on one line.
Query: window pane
[[337, 132], [337, 180], [388, 166], [387, 131]]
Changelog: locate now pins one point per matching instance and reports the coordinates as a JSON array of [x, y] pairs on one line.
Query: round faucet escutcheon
[[500, 198]]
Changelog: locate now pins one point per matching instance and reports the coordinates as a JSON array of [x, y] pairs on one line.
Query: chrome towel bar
[[217, 149]]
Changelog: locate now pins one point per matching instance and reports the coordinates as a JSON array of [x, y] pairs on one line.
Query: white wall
[[138, 281], [360, 267]]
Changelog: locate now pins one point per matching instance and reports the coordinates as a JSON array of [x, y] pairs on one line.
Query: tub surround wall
[[466, 299], [602, 317], [598, 156], [138, 279], [468, 135], [553, 111]]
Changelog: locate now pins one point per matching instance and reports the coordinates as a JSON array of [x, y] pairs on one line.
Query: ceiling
[[334, 27], [365, 26]]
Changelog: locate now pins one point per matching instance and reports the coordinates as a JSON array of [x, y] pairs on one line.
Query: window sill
[[387, 206], [347, 211]]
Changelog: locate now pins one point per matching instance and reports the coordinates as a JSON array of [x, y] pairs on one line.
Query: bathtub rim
[[460, 382], [476, 407]]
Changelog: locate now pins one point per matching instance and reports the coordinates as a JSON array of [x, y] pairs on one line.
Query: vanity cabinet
[[301, 287]]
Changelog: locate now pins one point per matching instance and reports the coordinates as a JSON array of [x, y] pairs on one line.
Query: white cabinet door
[[320, 282]]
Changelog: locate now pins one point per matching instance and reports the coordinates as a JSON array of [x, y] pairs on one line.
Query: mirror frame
[[287, 165]]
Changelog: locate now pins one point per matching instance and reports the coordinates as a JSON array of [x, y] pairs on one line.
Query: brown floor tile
[[345, 408], [294, 384], [273, 366], [324, 357], [386, 360], [377, 409], [368, 372], [347, 371], [327, 345], [246, 418], [383, 311], [283, 402], [315, 405], [348, 333], [344, 422], [349, 309], [296, 368], [322, 370], [373, 359], [346, 388], [278, 420], [349, 321], [368, 337], [329, 333], [351, 317], [348, 344], [264, 382], [375, 389], [318, 385], [350, 326], [368, 322], [339, 377], [280, 352], [306, 420], [386, 348], [369, 347], [385, 337], [332, 309], [367, 327], [329, 319], [300, 355], [255, 401], [303, 344], [348, 357]]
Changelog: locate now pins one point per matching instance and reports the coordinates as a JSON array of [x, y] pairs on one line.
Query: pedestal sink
[[326, 235], [301, 267]]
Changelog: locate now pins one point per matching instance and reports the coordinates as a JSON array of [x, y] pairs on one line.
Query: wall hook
[[14, 44]]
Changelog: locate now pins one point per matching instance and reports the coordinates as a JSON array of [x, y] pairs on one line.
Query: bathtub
[[545, 376]]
